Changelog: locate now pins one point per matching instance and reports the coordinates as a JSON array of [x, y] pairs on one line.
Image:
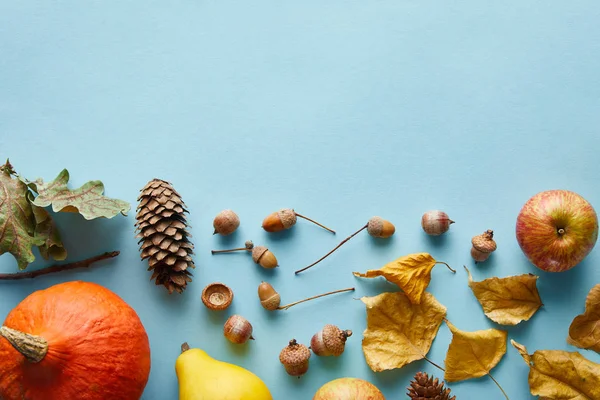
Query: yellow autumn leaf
[[398, 331], [584, 331], [474, 354], [412, 273], [507, 301], [561, 375]]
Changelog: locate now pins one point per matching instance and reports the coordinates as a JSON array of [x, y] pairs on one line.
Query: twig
[[314, 222], [58, 268], [313, 297], [334, 249]]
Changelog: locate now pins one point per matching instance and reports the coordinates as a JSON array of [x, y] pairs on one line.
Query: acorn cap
[[294, 354], [287, 217], [484, 242], [335, 339], [257, 253], [375, 226], [217, 296]]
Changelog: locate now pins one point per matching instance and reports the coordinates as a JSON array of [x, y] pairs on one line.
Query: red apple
[[556, 229], [348, 389]]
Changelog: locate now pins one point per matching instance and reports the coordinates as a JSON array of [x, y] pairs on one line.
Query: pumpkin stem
[[32, 347]]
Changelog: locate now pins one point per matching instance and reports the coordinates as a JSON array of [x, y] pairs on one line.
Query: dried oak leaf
[[584, 331], [45, 230], [561, 375], [474, 354], [17, 222], [507, 301], [398, 331], [86, 200], [412, 273]]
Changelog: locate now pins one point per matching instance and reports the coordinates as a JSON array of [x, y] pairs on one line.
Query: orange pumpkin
[[75, 340]]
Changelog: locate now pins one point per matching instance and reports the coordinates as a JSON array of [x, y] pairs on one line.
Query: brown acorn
[[285, 219], [263, 257], [226, 222], [380, 228], [329, 341], [376, 227], [483, 246], [269, 298], [237, 329], [294, 358], [260, 254], [435, 222]]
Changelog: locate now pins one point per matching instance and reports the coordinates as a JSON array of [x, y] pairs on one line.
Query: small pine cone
[[423, 387], [163, 234]]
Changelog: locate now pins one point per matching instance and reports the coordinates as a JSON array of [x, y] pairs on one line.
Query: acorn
[[217, 296], [376, 227], [329, 341], [294, 358], [263, 257], [226, 222], [483, 246], [435, 222], [237, 329], [285, 219], [260, 254], [380, 228], [269, 298]]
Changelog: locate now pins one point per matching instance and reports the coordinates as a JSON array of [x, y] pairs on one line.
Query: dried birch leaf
[[17, 223], [86, 200], [507, 301], [474, 354], [561, 375], [412, 273], [398, 331], [584, 331]]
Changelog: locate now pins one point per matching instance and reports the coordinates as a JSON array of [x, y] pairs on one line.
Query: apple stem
[[446, 264], [561, 231]]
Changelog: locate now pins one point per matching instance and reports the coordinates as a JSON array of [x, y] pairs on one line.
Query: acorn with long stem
[[285, 219], [376, 227], [260, 254], [270, 299]]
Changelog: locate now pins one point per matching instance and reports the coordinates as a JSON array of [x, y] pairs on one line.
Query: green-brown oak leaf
[[86, 200]]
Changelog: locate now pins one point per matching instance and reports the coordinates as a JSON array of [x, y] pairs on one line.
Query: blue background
[[343, 111]]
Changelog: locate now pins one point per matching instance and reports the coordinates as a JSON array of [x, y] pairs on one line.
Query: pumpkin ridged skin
[[98, 347]]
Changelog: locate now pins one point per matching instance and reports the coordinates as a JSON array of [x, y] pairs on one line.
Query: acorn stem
[[59, 267], [500, 387], [334, 249], [314, 222], [314, 297], [228, 251], [32, 347], [446, 264]]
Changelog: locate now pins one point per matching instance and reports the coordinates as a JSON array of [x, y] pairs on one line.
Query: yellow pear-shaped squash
[[201, 377]]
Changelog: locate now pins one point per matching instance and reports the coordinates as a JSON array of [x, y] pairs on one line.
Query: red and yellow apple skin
[[556, 229], [348, 389]]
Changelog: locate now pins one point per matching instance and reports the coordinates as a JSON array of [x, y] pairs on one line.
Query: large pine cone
[[163, 234], [422, 387]]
